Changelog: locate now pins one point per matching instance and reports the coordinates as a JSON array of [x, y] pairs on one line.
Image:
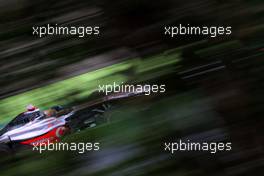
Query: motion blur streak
[[214, 86]]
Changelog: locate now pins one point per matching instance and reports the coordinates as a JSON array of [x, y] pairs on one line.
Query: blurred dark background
[[214, 85]]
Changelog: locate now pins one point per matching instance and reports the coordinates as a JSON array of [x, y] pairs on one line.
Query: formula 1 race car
[[35, 127]]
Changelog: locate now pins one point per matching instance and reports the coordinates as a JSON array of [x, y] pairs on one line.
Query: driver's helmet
[[31, 108], [32, 112]]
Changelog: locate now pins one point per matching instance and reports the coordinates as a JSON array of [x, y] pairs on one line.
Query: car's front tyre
[[5, 149]]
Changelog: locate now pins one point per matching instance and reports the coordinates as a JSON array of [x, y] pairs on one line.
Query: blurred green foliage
[[81, 86]]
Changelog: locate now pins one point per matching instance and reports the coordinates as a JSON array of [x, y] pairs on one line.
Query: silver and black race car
[[37, 127]]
